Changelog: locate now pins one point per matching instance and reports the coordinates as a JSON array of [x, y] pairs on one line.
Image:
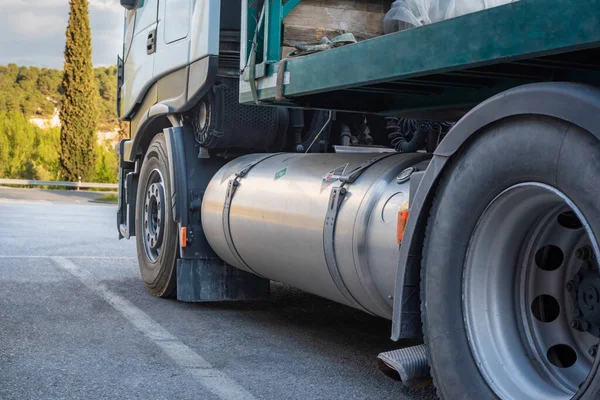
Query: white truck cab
[[163, 37]]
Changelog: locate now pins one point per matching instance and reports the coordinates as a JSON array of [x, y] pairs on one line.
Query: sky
[[32, 32]]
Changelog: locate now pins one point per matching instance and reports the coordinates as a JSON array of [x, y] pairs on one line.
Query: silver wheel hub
[[530, 294], [154, 215]]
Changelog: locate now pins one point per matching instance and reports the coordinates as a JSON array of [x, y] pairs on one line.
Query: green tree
[[107, 89], [29, 152], [79, 114], [107, 164], [18, 140], [4, 146], [46, 159]]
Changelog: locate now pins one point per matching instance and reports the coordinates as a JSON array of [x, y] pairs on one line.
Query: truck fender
[[578, 104], [190, 176]]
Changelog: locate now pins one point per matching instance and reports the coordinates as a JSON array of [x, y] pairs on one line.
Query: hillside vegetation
[[35, 92], [29, 152]]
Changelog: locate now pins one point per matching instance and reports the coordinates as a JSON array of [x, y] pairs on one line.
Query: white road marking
[[73, 257], [17, 201], [213, 380]]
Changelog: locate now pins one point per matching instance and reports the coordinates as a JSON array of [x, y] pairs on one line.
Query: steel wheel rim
[[517, 308], [154, 216]]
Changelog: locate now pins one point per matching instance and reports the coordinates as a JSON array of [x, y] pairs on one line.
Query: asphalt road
[[76, 322]]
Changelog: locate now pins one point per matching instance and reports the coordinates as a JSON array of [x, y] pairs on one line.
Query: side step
[[408, 365]]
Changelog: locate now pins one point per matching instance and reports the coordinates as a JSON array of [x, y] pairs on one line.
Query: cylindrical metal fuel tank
[[324, 223]]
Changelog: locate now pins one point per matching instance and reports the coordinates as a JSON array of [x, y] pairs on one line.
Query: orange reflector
[[402, 218], [183, 237]]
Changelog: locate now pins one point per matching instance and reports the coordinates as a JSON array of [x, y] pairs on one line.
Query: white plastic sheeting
[[406, 14]]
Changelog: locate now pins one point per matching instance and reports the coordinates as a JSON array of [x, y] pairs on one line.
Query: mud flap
[[214, 280]]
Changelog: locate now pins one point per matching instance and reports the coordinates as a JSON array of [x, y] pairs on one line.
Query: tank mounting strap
[[231, 188], [338, 191], [335, 201], [353, 175]]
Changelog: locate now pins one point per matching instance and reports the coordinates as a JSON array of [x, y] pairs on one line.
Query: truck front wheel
[[510, 281], [156, 238]]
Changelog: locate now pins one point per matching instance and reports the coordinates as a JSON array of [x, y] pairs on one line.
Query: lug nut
[[570, 286], [584, 253], [575, 324], [584, 325], [593, 351]]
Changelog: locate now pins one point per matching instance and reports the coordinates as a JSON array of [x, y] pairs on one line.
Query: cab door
[[139, 48], [174, 34]]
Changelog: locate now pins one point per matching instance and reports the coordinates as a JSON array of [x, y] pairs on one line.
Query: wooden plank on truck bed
[[310, 20]]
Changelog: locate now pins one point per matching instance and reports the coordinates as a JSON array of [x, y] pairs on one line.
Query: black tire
[[157, 265], [522, 149]]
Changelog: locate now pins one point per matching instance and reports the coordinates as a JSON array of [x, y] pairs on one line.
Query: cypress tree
[[78, 114]]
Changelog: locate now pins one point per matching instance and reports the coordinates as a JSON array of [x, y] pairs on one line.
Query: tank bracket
[[338, 191], [231, 189], [335, 201], [355, 173]]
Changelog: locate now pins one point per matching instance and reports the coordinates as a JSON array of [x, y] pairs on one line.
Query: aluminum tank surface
[[324, 223]]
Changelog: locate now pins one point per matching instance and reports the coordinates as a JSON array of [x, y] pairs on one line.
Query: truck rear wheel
[[156, 239], [510, 281]]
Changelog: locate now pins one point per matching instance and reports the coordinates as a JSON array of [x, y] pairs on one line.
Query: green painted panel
[[288, 6], [528, 28], [518, 32], [273, 31], [525, 29]]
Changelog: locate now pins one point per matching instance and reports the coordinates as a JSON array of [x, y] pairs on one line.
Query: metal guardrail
[[77, 185]]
